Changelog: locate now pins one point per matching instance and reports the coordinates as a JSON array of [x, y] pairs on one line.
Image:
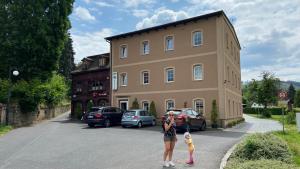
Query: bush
[[262, 146], [266, 113], [3, 90], [214, 113], [152, 109], [291, 117], [27, 94], [135, 104], [54, 90], [259, 164]]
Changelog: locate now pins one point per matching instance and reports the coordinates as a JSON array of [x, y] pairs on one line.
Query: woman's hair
[[187, 134]]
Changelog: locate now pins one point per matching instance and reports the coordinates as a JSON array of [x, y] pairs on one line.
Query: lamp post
[[15, 73]]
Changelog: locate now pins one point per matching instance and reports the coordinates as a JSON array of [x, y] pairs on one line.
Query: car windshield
[[175, 112], [130, 113], [94, 109]]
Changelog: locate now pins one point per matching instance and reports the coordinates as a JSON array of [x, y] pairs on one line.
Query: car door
[[119, 115], [142, 117], [198, 120], [191, 118], [148, 117]]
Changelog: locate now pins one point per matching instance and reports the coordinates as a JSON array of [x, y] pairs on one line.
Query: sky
[[268, 30]]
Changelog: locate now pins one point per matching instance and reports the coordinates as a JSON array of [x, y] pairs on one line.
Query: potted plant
[[214, 115]]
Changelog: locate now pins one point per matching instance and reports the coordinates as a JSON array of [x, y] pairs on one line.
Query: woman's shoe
[[166, 164], [171, 164]]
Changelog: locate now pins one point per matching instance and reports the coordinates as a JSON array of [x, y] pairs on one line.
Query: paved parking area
[[64, 144]]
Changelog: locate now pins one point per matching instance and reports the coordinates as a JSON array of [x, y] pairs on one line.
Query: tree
[[66, 60], [152, 109], [291, 93], [32, 36], [251, 92], [297, 99], [268, 89], [135, 104], [214, 114]]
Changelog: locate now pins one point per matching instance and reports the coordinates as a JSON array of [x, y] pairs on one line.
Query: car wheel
[[140, 125], [107, 123], [203, 127], [91, 125], [123, 126], [153, 123]]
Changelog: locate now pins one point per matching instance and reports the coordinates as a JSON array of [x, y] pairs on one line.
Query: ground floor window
[[170, 104], [145, 105], [199, 105]]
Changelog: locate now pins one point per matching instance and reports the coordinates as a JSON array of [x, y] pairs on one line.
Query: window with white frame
[[145, 105], [199, 105], [145, 47], [170, 104], [145, 77], [123, 79], [114, 80], [169, 43], [198, 72], [197, 38], [123, 51], [170, 75]]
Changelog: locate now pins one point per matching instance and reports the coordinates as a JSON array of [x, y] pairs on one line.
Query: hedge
[[274, 111], [259, 164]]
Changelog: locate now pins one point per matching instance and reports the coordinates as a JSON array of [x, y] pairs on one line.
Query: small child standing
[[189, 142]]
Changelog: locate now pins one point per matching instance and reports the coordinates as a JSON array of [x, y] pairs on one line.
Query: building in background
[[91, 83], [187, 63]]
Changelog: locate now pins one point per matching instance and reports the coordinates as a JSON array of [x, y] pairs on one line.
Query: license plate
[[90, 117]]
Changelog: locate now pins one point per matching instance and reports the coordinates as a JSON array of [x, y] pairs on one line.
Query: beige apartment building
[[187, 63]]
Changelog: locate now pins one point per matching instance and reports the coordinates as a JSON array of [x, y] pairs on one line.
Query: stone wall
[[19, 119], [2, 113]]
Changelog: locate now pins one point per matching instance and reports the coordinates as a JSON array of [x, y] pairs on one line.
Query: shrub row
[[261, 151], [259, 164], [235, 122], [273, 111]]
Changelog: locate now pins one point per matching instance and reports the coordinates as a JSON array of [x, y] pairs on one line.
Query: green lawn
[[4, 129], [291, 136]]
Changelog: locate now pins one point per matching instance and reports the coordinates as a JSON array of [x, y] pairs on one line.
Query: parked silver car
[[137, 118]]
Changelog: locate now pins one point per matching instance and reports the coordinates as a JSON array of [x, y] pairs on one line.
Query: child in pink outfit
[[191, 147]]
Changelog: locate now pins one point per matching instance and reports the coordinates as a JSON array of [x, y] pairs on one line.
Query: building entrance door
[[123, 104]]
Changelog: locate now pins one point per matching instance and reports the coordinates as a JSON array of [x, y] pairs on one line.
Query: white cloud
[[83, 14], [267, 30], [174, 0], [137, 3], [140, 12], [161, 16], [87, 1], [103, 4], [90, 43]]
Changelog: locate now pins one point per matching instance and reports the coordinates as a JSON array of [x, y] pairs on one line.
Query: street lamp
[[15, 73]]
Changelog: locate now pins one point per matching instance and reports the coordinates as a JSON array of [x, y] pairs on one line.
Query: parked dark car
[[137, 118], [104, 116], [187, 119]]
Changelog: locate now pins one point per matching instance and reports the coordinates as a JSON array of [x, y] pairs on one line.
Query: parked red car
[[187, 119]]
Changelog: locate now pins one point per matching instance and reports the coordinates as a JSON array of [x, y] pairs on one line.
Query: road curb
[[227, 155]]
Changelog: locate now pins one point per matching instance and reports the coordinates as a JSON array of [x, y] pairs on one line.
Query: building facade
[[91, 83], [188, 63]]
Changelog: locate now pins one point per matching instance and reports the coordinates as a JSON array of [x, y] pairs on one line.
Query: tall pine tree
[[32, 36], [291, 93], [66, 60]]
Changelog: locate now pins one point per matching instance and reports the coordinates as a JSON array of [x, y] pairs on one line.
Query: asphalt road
[[64, 144]]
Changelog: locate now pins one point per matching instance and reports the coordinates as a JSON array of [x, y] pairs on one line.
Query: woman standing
[[170, 139]]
